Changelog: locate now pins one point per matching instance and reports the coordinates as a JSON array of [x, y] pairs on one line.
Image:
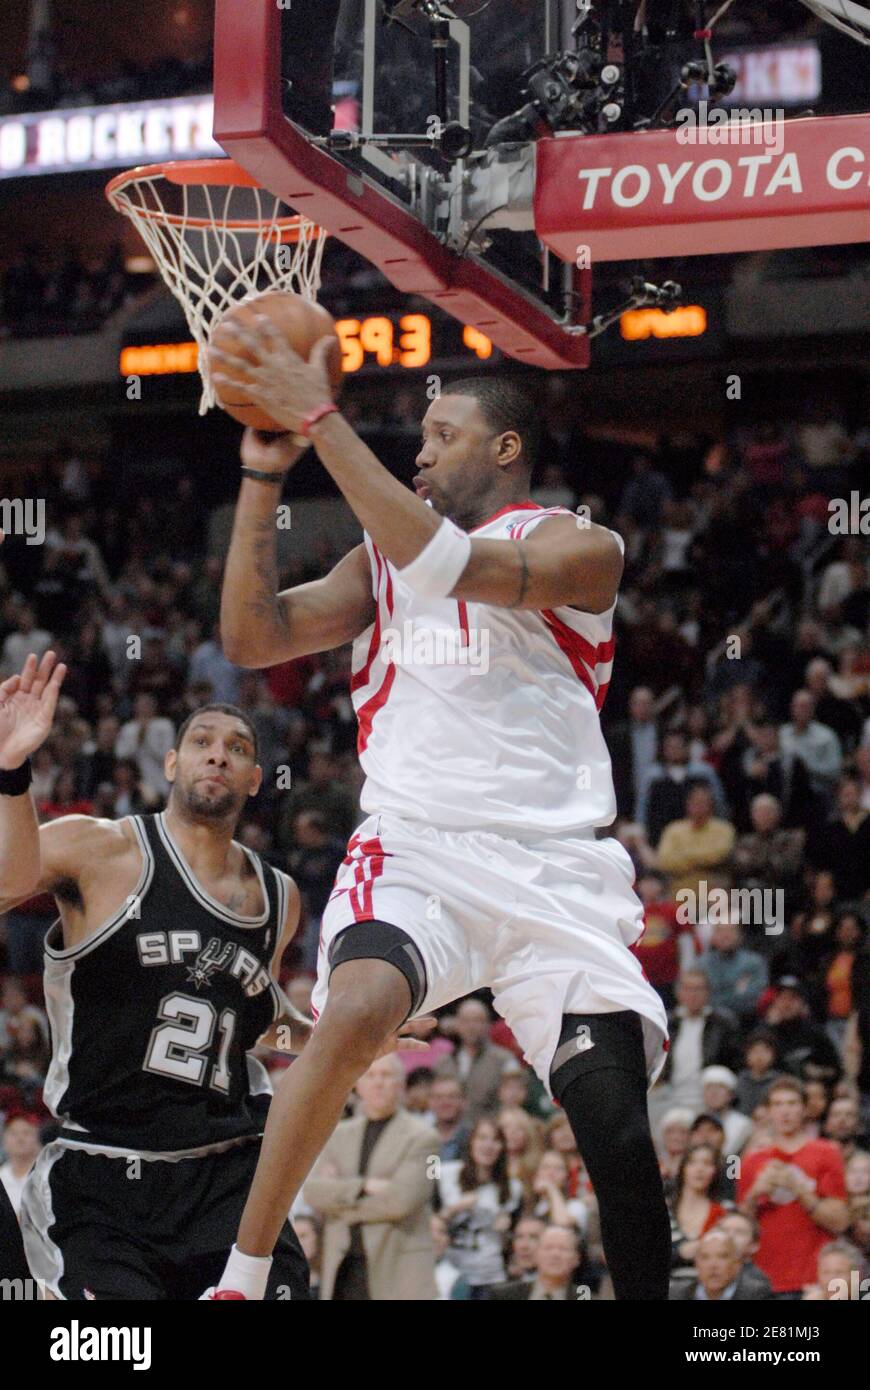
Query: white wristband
[[440, 563]]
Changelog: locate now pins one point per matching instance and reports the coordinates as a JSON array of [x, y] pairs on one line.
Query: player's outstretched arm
[[27, 705], [563, 563], [259, 626]]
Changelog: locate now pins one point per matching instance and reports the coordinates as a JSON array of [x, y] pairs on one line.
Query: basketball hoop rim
[[210, 173]]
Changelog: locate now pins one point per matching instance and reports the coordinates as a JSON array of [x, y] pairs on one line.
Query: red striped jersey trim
[[582, 655], [367, 711], [361, 677], [367, 859], [463, 621]]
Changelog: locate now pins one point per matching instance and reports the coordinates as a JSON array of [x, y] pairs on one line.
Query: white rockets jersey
[[473, 717]]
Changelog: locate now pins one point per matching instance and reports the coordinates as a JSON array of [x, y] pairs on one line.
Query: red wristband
[[314, 415]]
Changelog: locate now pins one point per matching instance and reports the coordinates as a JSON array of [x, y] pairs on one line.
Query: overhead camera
[[565, 93]]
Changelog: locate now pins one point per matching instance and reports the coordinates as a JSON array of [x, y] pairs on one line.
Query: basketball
[[301, 321]]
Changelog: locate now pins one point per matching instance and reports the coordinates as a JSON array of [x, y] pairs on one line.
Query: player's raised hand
[[270, 453], [27, 705], [278, 379], [410, 1037]]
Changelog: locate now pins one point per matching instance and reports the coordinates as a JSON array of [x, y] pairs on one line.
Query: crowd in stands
[[55, 82], [49, 291], [739, 724]]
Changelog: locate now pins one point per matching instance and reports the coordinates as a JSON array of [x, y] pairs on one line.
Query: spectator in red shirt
[[796, 1189], [658, 950]]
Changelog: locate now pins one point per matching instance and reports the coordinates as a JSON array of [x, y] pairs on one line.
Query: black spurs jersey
[[152, 1016]]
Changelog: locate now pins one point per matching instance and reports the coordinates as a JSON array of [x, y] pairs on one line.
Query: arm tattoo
[[263, 603], [524, 576]]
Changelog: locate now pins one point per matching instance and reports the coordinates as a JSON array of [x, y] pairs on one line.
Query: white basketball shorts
[[545, 924]]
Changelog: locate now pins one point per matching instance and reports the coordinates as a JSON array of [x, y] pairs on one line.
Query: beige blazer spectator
[[400, 1256]]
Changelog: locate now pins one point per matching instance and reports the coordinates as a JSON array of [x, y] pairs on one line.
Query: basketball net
[[218, 239]]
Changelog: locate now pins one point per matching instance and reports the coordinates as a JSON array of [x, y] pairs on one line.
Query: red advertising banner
[[731, 184]]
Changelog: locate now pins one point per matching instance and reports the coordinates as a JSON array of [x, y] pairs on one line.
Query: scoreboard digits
[[406, 344]]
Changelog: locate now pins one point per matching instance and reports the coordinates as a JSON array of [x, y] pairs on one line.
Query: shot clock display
[[402, 342], [407, 343], [409, 340]]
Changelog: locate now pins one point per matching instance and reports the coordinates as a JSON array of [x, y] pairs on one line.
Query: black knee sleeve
[[589, 1042], [382, 941]]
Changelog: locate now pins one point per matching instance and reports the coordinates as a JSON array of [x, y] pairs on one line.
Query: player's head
[[213, 767], [480, 444]]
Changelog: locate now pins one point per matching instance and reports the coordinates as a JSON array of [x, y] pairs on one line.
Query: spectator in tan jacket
[[373, 1186]]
